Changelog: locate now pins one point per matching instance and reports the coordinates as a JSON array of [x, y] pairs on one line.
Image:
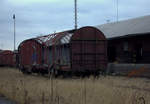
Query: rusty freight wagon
[[75, 51], [7, 58]]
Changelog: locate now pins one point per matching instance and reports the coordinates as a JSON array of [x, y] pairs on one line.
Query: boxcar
[[31, 55], [75, 51], [7, 58], [1, 59]]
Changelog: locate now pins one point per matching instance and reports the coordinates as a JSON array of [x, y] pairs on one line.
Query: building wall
[[131, 49]]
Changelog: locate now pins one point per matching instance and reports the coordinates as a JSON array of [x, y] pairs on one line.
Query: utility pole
[[14, 31], [75, 7], [117, 11]]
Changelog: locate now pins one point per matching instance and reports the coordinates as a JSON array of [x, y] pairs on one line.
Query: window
[[125, 46]]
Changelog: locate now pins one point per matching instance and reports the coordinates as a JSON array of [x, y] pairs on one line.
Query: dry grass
[[32, 89]]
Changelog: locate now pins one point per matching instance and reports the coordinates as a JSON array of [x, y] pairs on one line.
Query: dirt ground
[[36, 89]]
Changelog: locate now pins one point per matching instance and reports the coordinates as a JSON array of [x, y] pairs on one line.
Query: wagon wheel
[[96, 74], [55, 73], [22, 70], [49, 72], [52, 72]]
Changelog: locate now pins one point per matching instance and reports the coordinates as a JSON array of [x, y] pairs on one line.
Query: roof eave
[[127, 36]]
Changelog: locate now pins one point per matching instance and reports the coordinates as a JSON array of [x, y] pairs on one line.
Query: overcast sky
[[37, 17]]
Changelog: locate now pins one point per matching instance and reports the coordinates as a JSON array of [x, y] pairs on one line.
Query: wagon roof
[[6, 52], [129, 27], [56, 38]]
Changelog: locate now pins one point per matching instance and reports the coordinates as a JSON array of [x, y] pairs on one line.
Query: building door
[[111, 53], [138, 52]]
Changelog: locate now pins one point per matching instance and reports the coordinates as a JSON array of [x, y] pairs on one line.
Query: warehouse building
[[128, 40]]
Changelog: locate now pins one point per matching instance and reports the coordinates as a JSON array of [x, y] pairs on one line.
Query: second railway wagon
[[81, 51], [7, 58]]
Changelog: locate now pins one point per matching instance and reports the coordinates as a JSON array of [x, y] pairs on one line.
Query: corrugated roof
[[126, 27], [57, 38], [51, 39]]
